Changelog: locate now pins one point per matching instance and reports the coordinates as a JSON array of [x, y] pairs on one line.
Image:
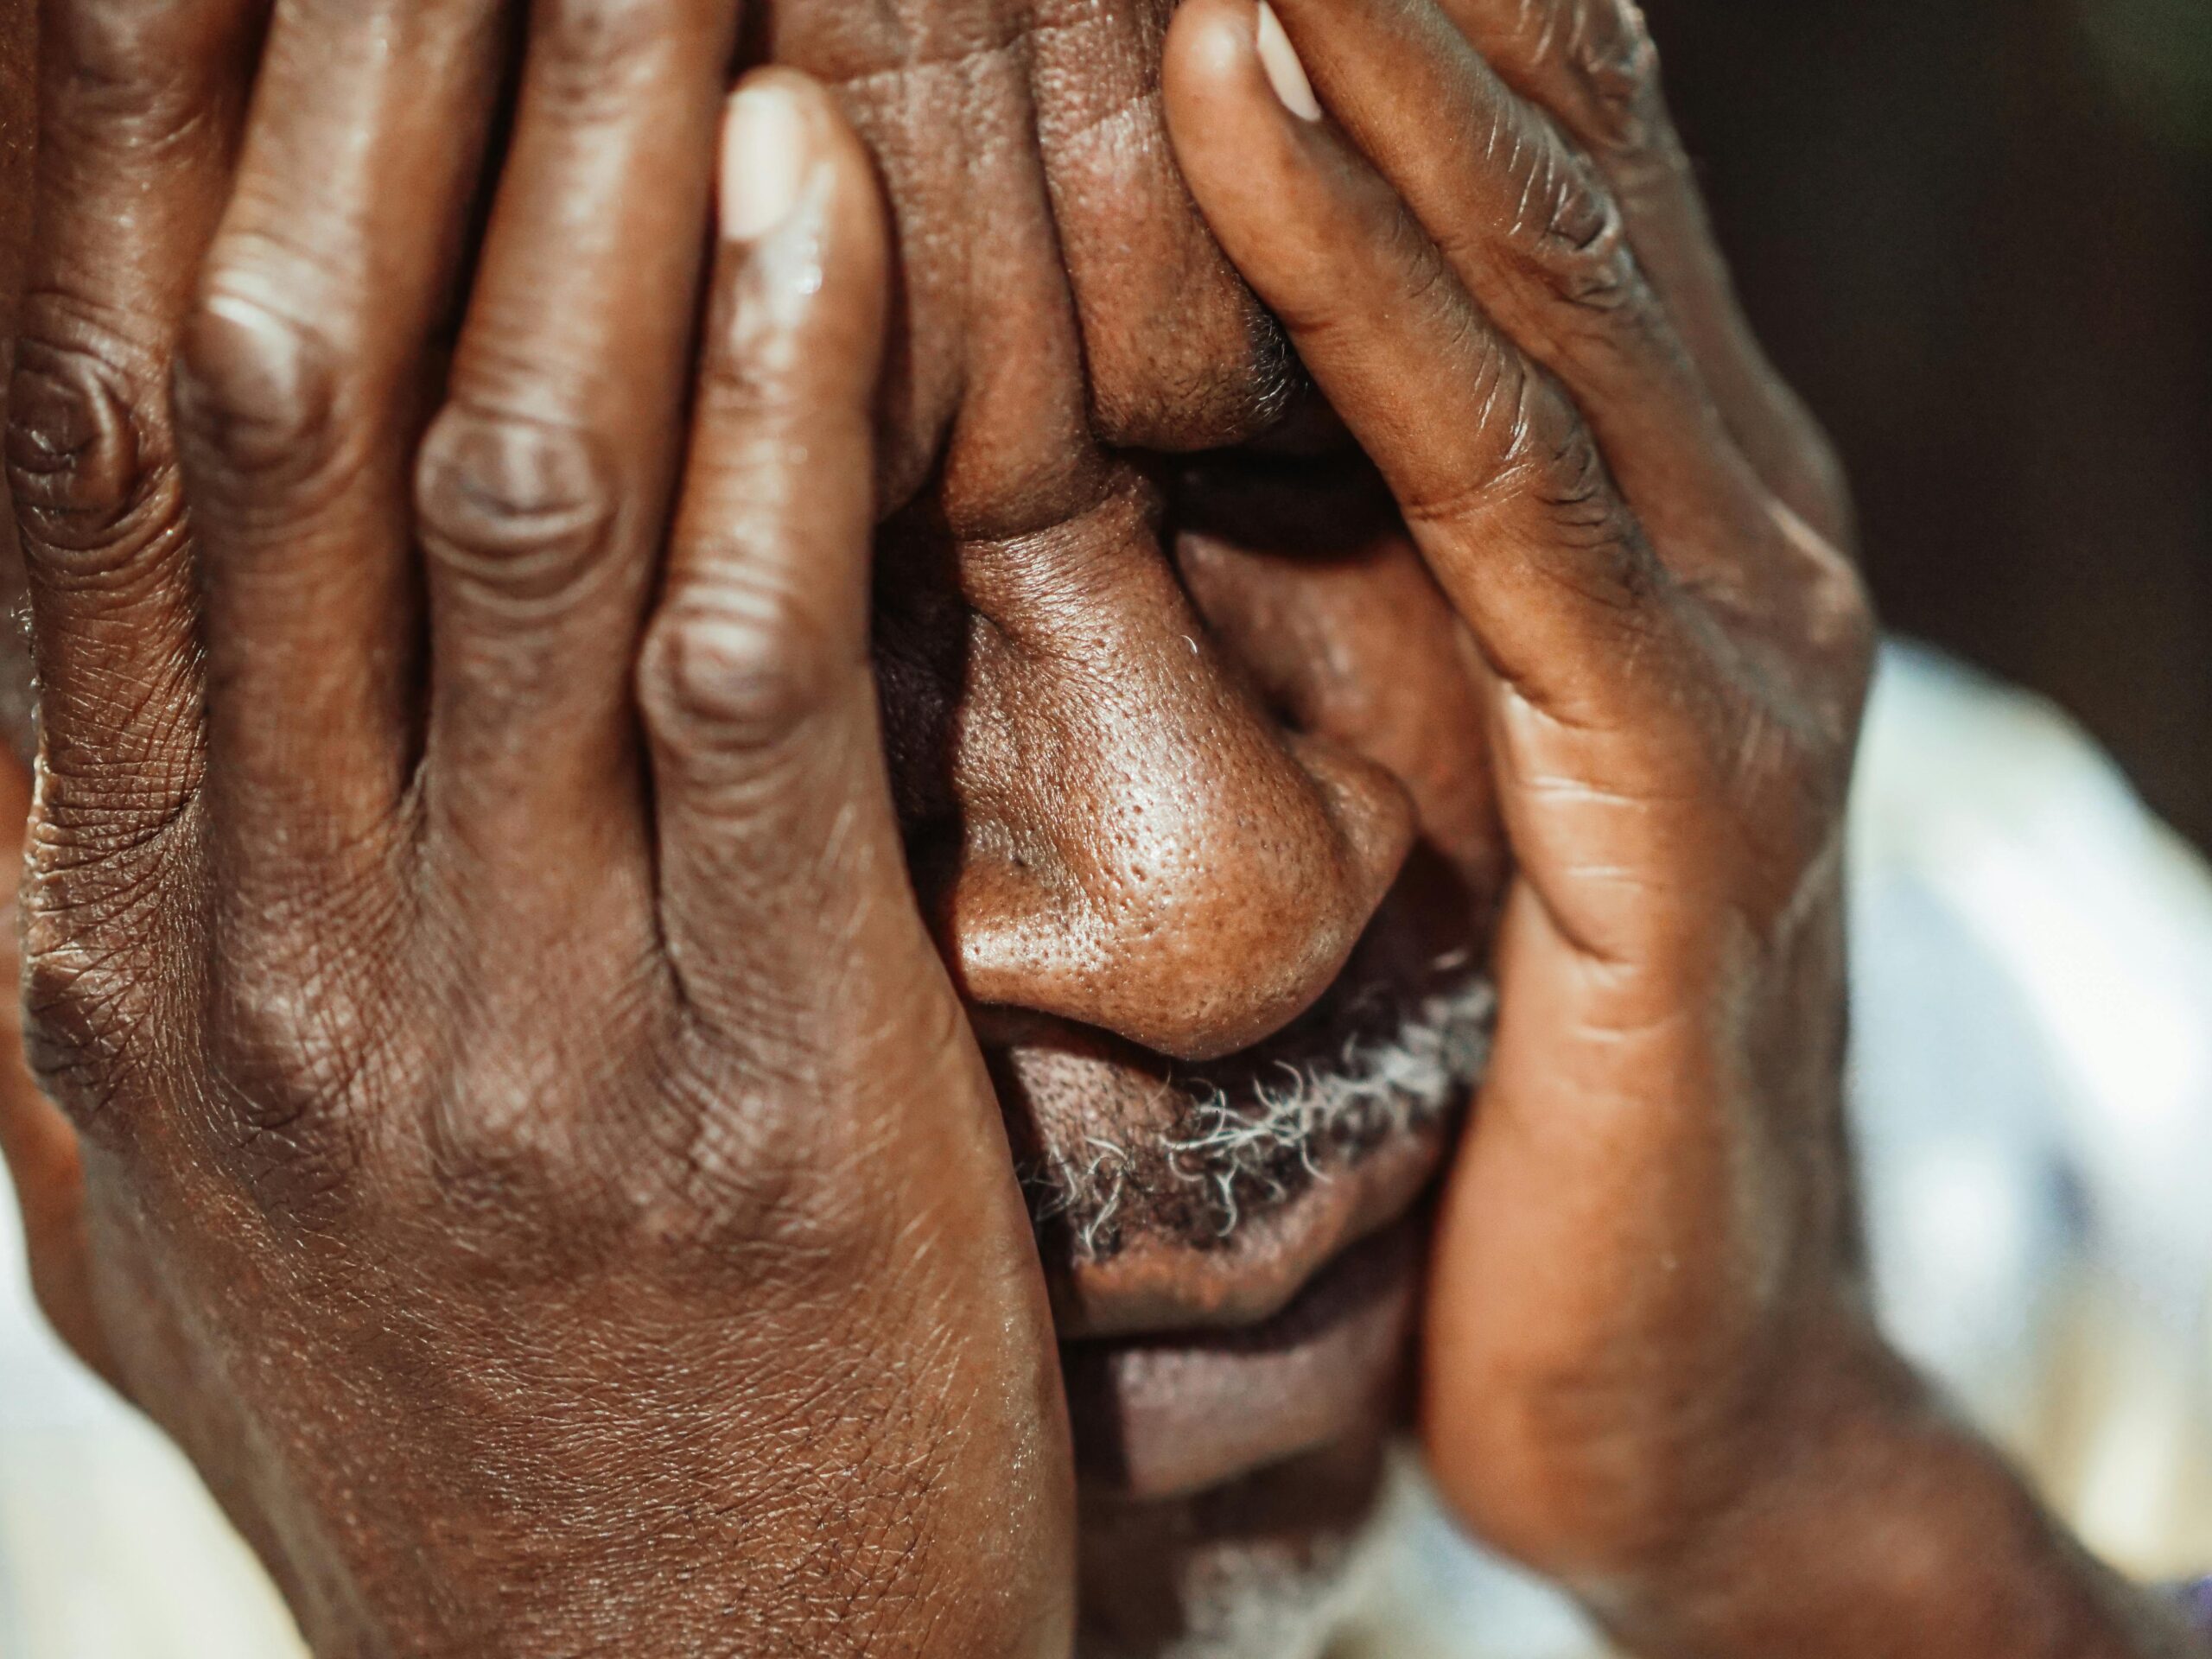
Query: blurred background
[[1977, 234]]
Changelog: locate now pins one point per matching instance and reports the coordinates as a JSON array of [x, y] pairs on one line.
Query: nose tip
[[1148, 852], [1192, 930]]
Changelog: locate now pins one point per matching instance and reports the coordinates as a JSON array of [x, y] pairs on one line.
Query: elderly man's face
[[1187, 753]]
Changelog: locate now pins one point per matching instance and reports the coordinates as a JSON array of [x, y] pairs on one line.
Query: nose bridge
[[1146, 850]]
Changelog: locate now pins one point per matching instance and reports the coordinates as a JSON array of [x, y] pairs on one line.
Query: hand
[[1040, 222], [1650, 1369], [536, 1162]]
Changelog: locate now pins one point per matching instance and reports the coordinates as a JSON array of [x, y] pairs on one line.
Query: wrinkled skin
[[533, 1157], [384, 1119]]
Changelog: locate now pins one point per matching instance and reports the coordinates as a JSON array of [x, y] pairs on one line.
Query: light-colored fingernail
[[763, 160], [1285, 71]]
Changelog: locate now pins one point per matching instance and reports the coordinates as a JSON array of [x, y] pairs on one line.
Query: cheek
[[1181, 356]]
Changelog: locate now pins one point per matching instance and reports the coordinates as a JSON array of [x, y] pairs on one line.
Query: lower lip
[[1165, 1417]]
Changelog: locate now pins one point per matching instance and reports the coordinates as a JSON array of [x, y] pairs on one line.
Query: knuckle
[[505, 1152], [590, 54], [1567, 475], [82, 1006], [297, 981], [96, 909], [1845, 634], [280, 1048], [519, 506], [1548, 461], [1821, 484], [87, 451], [748, 676], [735, 1179], [748, 1167], [254, 393], [128, 65], [1520, 424], [709, 1163], [109, 830], [1544, 442], [1574, 236], [1615, 62]]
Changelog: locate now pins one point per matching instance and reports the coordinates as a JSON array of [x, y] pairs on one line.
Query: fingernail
[[1285, 72], [763, 160]]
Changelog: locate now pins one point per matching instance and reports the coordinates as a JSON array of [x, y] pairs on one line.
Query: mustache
[[1243, 1151]]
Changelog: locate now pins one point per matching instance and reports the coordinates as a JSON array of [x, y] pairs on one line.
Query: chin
[[1268, 1567]]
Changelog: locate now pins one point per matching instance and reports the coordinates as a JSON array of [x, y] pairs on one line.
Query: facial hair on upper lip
[[1252, 1149]]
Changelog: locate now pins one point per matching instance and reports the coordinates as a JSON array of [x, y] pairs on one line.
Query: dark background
[[1977, 234]]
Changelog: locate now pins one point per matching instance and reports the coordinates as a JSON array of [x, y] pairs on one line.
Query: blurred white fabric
[[2033, 1088]]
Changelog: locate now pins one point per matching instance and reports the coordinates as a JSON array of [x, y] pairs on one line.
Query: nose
[[1144, 848]]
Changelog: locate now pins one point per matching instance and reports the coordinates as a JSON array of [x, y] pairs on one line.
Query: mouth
[[1234, 1249], [1358, 1073], [1167, 1417]]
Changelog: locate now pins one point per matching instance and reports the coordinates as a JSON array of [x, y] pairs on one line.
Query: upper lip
[[1166, 1265]]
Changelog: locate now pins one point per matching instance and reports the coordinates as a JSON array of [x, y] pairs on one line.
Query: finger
[[1592, 64], [776, 828], [140, 106], [1613, 727], [542, 486], [1501, 482], [300, 377], [1537, 239]]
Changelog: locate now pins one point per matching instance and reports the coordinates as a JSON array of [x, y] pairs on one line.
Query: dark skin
[[537, 1150]]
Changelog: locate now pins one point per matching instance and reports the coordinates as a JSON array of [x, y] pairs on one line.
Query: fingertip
[[1212, 52], [1265, 167], [1220, 50], [801, 212], [1226, 111]]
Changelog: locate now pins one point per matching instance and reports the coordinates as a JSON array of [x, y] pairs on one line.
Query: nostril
[[1369, 812]]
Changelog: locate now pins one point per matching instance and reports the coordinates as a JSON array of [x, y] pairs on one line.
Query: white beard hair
[[1419, 1074], [1416, 1076]]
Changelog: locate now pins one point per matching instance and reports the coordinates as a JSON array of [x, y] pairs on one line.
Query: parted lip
[[1166, 1417], [1190, 1366]]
